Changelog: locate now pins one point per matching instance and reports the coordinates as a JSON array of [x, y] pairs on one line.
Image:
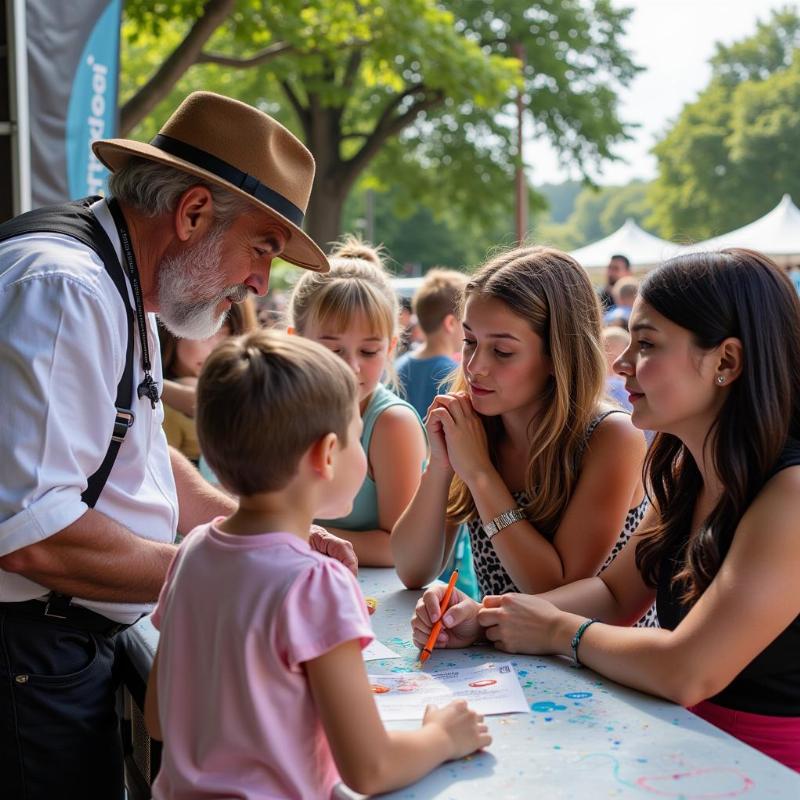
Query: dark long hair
[[734, 293]]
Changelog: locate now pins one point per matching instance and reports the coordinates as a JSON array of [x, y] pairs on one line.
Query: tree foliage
[[597, 212], [415, 238], [409, 94], [734, 151]]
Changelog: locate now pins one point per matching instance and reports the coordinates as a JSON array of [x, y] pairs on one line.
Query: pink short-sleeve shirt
[[238, 616]]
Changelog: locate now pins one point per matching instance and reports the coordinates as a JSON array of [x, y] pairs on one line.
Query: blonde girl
[[524, 450], [353, 311]]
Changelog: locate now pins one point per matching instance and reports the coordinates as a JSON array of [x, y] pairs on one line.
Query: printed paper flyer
[[489, 689]]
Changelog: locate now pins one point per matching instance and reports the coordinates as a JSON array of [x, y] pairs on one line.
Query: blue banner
[[73, 68], [92, 110]]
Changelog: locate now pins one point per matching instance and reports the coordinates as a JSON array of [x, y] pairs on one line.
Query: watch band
[[503, 521]]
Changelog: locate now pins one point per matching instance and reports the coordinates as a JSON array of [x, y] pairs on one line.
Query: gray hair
[[153, 189]]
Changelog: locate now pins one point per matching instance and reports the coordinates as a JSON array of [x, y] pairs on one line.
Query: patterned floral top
[[491, 575]]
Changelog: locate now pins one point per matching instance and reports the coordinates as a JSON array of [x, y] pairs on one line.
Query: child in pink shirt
[[258, 688]]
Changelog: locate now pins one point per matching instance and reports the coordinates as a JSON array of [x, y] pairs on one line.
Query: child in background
[[714, 367], [524, 450], [258, 688], [182, 361], [352, 310], [410, 336], [423, 372], [624, 293], [615, 343]]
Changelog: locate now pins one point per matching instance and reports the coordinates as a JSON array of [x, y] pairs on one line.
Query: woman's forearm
[[371, 547], [419, 544], [181, 397], [647, 659], [532, 563], [590, 597]]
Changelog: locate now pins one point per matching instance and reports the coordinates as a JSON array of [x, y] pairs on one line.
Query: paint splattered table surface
[[585, 737]]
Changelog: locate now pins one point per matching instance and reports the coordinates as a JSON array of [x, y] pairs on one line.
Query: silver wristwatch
[[503, 521]]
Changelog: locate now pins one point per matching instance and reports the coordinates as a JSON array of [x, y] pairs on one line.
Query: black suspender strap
[[76, 220]]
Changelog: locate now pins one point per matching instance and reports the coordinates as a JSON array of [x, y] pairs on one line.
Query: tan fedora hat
[[232, 144]]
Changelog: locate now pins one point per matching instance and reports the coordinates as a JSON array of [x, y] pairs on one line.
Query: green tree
[[626, 202], [597, 212], [733, 152], [560, 198], [414, 91], [420, 238]]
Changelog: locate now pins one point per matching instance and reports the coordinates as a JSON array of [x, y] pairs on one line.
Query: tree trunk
[[333, 179], [324, 218]]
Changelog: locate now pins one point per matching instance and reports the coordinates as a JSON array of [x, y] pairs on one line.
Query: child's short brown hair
[[262, 400], [625, 290], [438, 295]]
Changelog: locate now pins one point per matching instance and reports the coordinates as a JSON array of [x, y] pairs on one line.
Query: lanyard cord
[[148, 387]]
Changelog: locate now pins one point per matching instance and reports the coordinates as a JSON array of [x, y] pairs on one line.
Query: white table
[[586, 737]]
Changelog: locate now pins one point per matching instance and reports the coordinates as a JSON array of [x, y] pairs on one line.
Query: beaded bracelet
[[576, 639]]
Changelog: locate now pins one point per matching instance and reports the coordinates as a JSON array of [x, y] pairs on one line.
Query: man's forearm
[[95, 558]]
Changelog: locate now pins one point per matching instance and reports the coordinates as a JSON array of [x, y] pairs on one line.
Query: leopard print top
[[490, 573]]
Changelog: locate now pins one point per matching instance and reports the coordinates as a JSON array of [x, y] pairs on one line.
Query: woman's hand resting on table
[[514, 623], [520, 623], [460, 627]]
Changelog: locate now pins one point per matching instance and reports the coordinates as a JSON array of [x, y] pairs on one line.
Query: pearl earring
[[720, 379]]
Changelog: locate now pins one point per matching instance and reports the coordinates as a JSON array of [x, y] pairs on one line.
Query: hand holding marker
[[424, 654]]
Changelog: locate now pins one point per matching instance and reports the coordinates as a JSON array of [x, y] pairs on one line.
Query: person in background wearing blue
[[615, 343], [423, 373], [624, 294], [619, 266], [794, 277]]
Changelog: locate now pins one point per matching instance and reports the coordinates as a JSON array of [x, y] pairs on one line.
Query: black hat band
[[222, 169]]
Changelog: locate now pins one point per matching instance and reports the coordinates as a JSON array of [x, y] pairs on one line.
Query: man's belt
[[65, 614]]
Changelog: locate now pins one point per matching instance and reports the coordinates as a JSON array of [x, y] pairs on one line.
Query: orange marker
[[429, 645]]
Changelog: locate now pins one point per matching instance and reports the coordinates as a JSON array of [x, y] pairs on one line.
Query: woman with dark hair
[[714, 367]]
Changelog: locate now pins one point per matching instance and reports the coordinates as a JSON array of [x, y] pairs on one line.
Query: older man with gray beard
[[91, 497]]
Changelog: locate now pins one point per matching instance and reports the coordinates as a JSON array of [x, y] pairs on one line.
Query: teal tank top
[[364, 516]]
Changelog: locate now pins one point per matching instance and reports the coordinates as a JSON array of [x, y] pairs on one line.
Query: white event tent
[[642, 248], [777, 234]]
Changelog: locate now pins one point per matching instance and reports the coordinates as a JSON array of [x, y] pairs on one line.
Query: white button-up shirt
[[62, 352]]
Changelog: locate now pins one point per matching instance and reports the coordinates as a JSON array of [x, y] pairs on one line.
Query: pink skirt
[[776, 737]]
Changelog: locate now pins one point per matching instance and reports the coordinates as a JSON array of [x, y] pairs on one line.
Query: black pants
[[59, 732]]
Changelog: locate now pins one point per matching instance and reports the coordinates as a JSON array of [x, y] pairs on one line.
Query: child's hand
[[460, 627], [464, 728]]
